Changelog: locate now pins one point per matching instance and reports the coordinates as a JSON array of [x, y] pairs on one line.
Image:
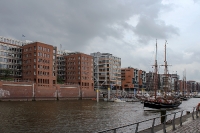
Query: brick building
[[130, 78], [79, 70], [142, 80], [39, 64]]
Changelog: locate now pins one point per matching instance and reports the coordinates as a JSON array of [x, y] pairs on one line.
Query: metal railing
[[173, 122]]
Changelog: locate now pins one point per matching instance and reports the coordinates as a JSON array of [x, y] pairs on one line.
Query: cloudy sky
[[125, 28]]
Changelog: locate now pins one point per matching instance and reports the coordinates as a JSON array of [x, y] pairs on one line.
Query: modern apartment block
[[174, 82], [79, 70], [133, 78], [39, 63], [11, 57], [61, 74], [127, 78], [107, 70], [191, 86]]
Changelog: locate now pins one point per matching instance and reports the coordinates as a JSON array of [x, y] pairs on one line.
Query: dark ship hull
[[157, 105]]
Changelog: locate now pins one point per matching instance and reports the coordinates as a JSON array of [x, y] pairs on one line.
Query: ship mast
[[155, 72], [184, 83], [165, 77], [165, 70]]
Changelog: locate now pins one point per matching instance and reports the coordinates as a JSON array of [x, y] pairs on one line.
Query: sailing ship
[[163, 101]]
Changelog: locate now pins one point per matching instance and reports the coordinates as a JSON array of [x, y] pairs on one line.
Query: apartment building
[[191, 86], [107, 70], [174, 82], [61, 62], [39, 64], [180, 86], [132, 78], [149, 81], [127, 79], [11, 57], [142, 80], [79, 70]]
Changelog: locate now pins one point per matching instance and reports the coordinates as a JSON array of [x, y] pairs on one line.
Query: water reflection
[[73, 116]]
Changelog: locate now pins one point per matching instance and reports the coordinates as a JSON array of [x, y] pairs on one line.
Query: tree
[[59, 81], [5, 73]]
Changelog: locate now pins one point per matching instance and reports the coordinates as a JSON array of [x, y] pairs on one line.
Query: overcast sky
[[125, 28]]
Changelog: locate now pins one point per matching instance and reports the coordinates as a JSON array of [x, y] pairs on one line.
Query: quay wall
[[27, 91]]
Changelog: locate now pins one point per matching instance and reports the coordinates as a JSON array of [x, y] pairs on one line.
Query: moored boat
[[197, 96], [163, 101], [118, 100]]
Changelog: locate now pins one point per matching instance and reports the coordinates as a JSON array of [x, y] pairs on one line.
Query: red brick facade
[[79, 70], [27, 91], [127, 75], [37, 64]]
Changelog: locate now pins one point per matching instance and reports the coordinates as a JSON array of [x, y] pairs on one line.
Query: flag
[[60, 46], [23, 35]]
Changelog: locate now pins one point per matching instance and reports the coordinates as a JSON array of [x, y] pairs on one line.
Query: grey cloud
[[74, 23], [149, 28]]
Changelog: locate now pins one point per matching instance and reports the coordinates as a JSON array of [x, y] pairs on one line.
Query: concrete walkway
[[192, 126]]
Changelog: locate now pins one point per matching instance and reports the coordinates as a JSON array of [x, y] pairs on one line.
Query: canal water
[[75, 116]]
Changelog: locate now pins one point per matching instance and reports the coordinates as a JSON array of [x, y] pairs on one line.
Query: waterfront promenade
[[191, 126]]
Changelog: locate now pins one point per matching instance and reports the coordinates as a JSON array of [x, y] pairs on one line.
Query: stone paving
[[192, 126]]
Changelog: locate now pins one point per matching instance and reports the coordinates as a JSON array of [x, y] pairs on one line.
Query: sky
[[128, 29]]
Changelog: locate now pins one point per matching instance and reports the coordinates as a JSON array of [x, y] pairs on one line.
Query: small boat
[[197, 96], [118, 100]]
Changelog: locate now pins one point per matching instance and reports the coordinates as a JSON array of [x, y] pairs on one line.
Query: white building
[[107, 70]]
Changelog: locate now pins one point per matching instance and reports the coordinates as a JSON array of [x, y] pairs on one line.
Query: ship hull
[[156, 105]]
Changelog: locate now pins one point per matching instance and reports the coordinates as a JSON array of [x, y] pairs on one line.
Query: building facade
[[107, 70], [39, 64], [132, 78], [79, 70], [142, 80], [61, 68], [127, 79], [11, 58]]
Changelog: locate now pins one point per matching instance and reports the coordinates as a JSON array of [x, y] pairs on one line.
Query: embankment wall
[[27, 91]]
